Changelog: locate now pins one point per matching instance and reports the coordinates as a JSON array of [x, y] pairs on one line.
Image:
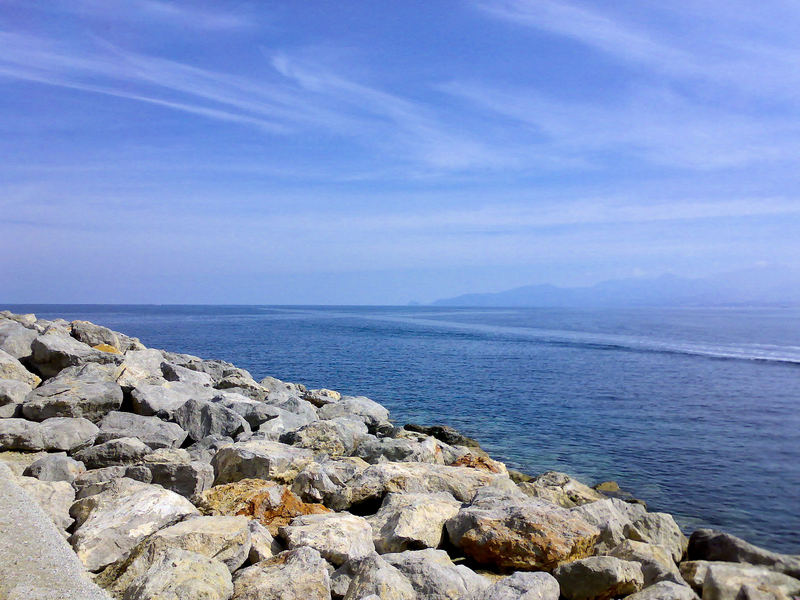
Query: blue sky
[[381, 152]]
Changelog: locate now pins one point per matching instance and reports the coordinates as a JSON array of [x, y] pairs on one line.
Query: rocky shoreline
[[135, 473]]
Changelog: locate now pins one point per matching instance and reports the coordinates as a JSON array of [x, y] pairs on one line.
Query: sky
[[353, 152]]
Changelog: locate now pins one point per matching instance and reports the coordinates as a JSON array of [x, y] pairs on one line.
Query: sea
[[695, 411]]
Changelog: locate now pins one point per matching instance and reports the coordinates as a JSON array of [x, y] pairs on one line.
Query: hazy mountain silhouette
[[754, 286]]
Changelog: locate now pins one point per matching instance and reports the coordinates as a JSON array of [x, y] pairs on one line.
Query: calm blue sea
[[693, 410]]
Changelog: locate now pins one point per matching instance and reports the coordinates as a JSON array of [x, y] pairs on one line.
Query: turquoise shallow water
[[694, 410]]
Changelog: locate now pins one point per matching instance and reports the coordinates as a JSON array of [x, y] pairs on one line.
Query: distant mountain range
[[774, 286]]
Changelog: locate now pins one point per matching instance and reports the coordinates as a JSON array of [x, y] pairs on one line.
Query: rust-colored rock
[[270, 503], [483, 463], [517, 533]]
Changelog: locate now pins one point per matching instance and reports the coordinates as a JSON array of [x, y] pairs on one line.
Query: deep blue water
[[693, 410]]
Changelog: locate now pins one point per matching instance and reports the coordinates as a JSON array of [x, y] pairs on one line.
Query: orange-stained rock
[[484, 463], [106, 348], [272, 504], [510, 531]]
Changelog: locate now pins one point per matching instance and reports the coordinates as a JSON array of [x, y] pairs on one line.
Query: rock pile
[[134, 473]]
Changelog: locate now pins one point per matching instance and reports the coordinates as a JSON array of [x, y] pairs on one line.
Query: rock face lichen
[[170, 476]]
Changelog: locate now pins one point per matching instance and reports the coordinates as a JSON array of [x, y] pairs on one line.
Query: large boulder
[[325, 481], [300, 574], [524, 586], [55, 467], [516, 532], [369, 411], [53, 352], [119, 451], [141, 367], [173, 469], [734, 581], [599, 578], [262, 543], [95, 335], [434, 576], [338, 537], [12, 396], [411, 521], [162, 400], [252, 411], [178, 575], [58, 433], [374, 450], [374, 575], [151, 430], [268, 502], [11, 368], [173, 372], [55, 498], [37, 562], [707, 544], [79, 394], [657, 563], [374, 482], [336, 437], [665, 590], [561, 489], [111, 523], [16, 339], [224, 539], [260, 459], [201, 418]]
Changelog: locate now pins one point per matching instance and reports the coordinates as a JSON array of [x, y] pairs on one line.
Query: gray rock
[[151, 430], [434, 576], [375, 450], [338, 537], [241, 382], [326, 480], [53, 352], [656, 561], [141, 367], [665, 590], [707, 544], [561, 489], [369, 411], [262, 545], [524, 586], [58, 433], [55, 498], [252, 411], [172, 372], [736, 581], [259, 459], [320, 397], [55, 467], [516, 532], [163, 400], [375, 481], [201, 419], [373, 575], [72, 397], [95, 481], [93, 335], [120, 451], [205, 449], [615, 519], [12, 395], [178, 575], [16, 339], [335, 438], [299, 574], [276, 387], [37, 560], [11, 368], [225, 539], [661, 529], [296, 406], [281, 423], [111, 523], [411, 521], [174, 470], [599, 577]]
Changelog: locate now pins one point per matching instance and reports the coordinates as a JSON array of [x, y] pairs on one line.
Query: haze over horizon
[[350, 153]]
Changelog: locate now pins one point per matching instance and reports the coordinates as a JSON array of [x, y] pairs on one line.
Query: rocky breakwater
[[134, 473]]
